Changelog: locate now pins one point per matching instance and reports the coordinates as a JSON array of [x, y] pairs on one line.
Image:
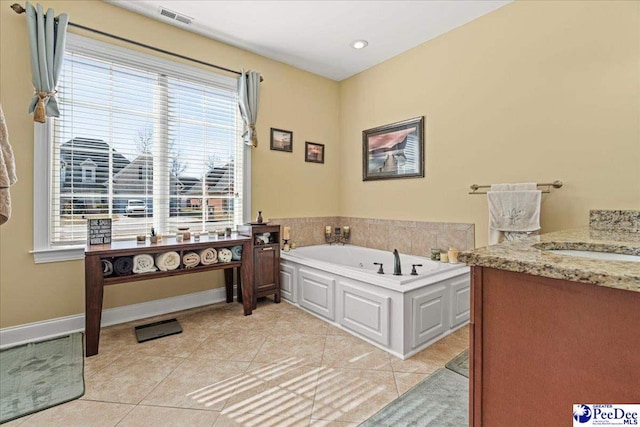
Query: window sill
[[68, 253]]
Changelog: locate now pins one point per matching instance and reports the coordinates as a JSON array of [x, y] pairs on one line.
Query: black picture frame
[[313, 152], [281, 140], [394, 151]]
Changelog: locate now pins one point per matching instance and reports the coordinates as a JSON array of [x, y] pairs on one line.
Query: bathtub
[[400, 314]]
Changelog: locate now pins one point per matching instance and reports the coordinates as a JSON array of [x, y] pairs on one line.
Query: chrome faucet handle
[[413, 269], [380, 270]]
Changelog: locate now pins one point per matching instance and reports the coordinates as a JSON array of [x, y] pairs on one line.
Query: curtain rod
[[19, 9]]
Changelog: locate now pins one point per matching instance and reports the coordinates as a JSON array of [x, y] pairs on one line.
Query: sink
[[596, 255]]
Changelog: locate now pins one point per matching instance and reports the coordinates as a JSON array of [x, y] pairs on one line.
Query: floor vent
[[175, 16], [152, 331]]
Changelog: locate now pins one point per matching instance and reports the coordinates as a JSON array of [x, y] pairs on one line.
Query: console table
[[95, 281]]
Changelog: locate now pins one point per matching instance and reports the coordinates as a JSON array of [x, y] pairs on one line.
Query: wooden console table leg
[[239, 287], [246, 271], [94, 290], [228, 283]]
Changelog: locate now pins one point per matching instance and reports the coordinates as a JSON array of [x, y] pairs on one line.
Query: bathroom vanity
[[549, 330]]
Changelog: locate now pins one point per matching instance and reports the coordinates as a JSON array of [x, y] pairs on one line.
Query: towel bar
[[555, 184]]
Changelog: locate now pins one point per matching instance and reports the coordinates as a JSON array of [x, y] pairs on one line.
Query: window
[[144, 141]]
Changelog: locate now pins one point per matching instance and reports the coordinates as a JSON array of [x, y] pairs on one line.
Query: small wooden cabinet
[[265, 250]]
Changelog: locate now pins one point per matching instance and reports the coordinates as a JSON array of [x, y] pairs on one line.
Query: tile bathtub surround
[[609, 219], [313, 374], [409, 237]]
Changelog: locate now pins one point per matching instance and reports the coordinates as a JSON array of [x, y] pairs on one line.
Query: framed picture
[[281, 140], [394, 151], [313, 152]]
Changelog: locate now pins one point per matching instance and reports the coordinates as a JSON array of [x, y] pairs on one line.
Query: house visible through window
[[144, 141], [88, 171]]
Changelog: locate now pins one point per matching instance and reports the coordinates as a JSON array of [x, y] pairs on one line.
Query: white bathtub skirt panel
[[429, 314], [364, 312], [288, 283], [460, 299], [317, 292]]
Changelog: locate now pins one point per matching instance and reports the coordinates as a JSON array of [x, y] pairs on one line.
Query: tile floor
[[280, 367]]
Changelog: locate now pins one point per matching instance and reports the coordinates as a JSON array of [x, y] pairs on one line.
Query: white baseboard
[[38, 331]]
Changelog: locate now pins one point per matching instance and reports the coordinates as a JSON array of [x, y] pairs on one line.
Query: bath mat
[[40, 375], [460, 363], [440, 400]]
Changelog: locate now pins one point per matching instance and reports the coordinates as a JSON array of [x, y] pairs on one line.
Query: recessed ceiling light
[[359, 44]]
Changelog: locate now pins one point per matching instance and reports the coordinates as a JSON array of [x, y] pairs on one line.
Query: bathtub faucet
[[337, 234], [397, 271]]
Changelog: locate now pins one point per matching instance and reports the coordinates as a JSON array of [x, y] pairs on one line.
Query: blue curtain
[[248, 99], [47, 35]]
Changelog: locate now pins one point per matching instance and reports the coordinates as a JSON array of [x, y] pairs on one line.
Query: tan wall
[[283, 184], [535, 91]]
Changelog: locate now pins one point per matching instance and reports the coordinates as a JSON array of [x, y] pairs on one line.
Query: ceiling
[[315, 35]]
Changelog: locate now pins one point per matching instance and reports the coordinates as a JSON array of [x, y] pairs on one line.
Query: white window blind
[[144, 141]]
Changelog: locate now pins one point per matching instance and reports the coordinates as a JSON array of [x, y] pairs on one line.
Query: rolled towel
[[236, 253], [123, 265], [143, 263], [191, 259], [208, 256], [107, 267], [224, 255], [168, 261]]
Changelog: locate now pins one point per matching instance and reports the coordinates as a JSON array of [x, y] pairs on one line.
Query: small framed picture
[[281, 140], [313, 152]]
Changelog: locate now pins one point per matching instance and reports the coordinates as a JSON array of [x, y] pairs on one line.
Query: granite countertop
[[529, 256]]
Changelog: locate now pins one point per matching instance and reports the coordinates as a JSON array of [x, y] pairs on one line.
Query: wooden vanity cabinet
[[540, 345], [266, 260]]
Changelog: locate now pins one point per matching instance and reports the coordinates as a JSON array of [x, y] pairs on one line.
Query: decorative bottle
[[259, 218]]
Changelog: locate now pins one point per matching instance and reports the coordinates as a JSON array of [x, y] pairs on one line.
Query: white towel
[[7, 171], [143, 263], [208, 256], [514, 211], [168, 261]]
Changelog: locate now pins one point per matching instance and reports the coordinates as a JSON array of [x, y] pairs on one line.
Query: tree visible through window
[[144, 146]]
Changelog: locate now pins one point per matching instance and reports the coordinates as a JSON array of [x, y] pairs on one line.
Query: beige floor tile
[[100, 361], [302, 324], [263, 325], [129, 378], [199, 384], [354, 353], [458, 340], [405, 381], [325, 423], [240, 419], [144, 416], [416, 365], [280, 347], [284, 389], [80, 413], [279, 367], [118, 339], [229, 345], [352, 395], [333, 330]]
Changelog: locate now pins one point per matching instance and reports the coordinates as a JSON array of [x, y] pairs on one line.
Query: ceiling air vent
[[175, 16]]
